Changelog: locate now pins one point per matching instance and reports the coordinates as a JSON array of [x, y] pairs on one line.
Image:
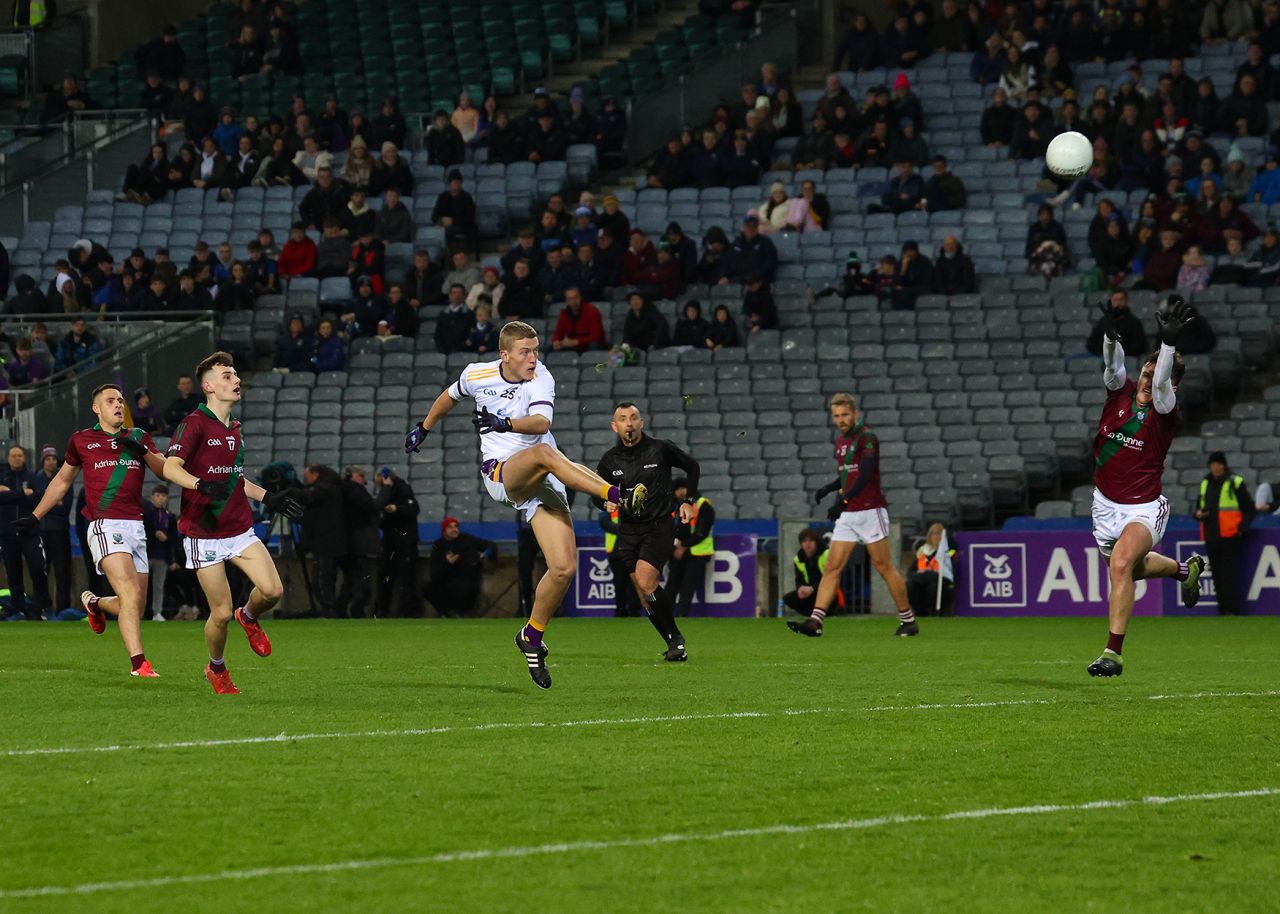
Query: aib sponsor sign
[[1062, 573], [729, 588]]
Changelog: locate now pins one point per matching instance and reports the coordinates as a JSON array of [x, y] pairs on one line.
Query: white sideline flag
[[943, 555]]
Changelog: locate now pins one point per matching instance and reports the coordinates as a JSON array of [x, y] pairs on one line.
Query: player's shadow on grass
[[468, 686], [1056, 684]]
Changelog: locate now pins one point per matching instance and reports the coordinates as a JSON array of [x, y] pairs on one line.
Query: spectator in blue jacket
[[987, 65], [1265, 186], [228, 132], [331, 354], [78, 346], [161, 526]]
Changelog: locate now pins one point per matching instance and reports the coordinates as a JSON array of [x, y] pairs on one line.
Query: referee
[[646, 540]]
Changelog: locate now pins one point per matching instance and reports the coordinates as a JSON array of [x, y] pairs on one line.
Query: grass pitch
[[422, 771]]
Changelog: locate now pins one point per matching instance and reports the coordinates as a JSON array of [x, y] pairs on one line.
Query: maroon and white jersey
[[1130, 446], [213, 451], [850, 451], [112, 479]]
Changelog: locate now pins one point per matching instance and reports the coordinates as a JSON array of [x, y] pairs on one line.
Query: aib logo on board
[[594, 581], [998, 575]]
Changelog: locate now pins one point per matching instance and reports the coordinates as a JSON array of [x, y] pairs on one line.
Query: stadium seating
[[982, 402]]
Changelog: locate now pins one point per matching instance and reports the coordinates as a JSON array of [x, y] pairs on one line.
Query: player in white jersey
[[521, 467]]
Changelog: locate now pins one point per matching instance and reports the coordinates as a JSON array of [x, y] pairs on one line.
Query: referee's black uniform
[[650, 535]]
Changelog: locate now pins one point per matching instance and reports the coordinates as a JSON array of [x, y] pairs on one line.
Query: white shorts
[[129, 536], [202, 552], [1110, 518], [870, 526], [550, 493]]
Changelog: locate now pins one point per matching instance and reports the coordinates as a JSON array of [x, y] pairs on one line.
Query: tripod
[[289, 548]]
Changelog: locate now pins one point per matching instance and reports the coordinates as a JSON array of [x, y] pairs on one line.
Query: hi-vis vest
[[1229, 515], [803, 567], [707, 545], [36, 14], [611, 539], [927, 562]]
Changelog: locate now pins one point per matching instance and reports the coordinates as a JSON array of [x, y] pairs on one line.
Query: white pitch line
[[593, 722], [569, 847]]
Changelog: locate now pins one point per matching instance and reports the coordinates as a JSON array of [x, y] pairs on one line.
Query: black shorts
[[652, 542]]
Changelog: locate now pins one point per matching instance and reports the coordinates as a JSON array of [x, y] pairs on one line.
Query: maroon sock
[[1115, 642], [218, 666], [1182, 573], [138, 660]]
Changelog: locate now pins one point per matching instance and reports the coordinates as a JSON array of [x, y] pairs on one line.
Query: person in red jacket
[[638, 256], [298, 256], [580, 326]]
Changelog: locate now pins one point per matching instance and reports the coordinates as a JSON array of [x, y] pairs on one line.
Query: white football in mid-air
[[1069, 155]]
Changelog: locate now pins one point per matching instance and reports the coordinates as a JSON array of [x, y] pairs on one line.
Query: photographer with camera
[[398, 565]]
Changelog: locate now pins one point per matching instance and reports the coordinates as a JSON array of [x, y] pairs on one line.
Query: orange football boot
[[258, 639], [221, 682], [145, 671], [97, 618]]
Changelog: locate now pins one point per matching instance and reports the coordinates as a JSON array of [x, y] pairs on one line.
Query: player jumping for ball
[[522, 468], [861, 515], [1139, 421], [114, 461], [218, 528]]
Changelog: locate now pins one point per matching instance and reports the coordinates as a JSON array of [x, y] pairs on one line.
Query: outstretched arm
[[1114, 374], [1163, 394], [439, 409], [56, 489]]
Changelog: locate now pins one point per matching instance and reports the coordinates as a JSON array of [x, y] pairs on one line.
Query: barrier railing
[[691, 101]]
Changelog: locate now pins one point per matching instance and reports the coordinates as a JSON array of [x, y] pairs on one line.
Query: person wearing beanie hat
[[1225, 510], [457, 560], [1238, 176], [775, 211], [1138, 423]]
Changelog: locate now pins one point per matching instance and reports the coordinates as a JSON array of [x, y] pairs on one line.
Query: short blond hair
[[513, 332], [842, 399]]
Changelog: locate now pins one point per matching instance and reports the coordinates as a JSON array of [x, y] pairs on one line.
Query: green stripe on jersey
[[119, 474], [1111, 446], [216, 508]]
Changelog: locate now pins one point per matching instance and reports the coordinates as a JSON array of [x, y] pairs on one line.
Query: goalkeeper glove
[[1108, 322], [1173, 319], [836, 510], [25, 524]]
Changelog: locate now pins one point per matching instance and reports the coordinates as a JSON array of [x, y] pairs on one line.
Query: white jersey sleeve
[[542, 394], [461, 388]]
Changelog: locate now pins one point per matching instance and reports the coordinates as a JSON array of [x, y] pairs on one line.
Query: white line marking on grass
[[592, 722], [569, 847]]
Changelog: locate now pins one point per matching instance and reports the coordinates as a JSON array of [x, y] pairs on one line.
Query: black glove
[[27, 523], [214, 490], [132, 446], [414, 439], [1108, 322], [834, 512], [280, 503], [486, 422], [1173, 319], [825, 491]]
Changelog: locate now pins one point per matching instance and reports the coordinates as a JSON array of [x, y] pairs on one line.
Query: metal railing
[[55, 408], [64, 160], [692, 100]]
